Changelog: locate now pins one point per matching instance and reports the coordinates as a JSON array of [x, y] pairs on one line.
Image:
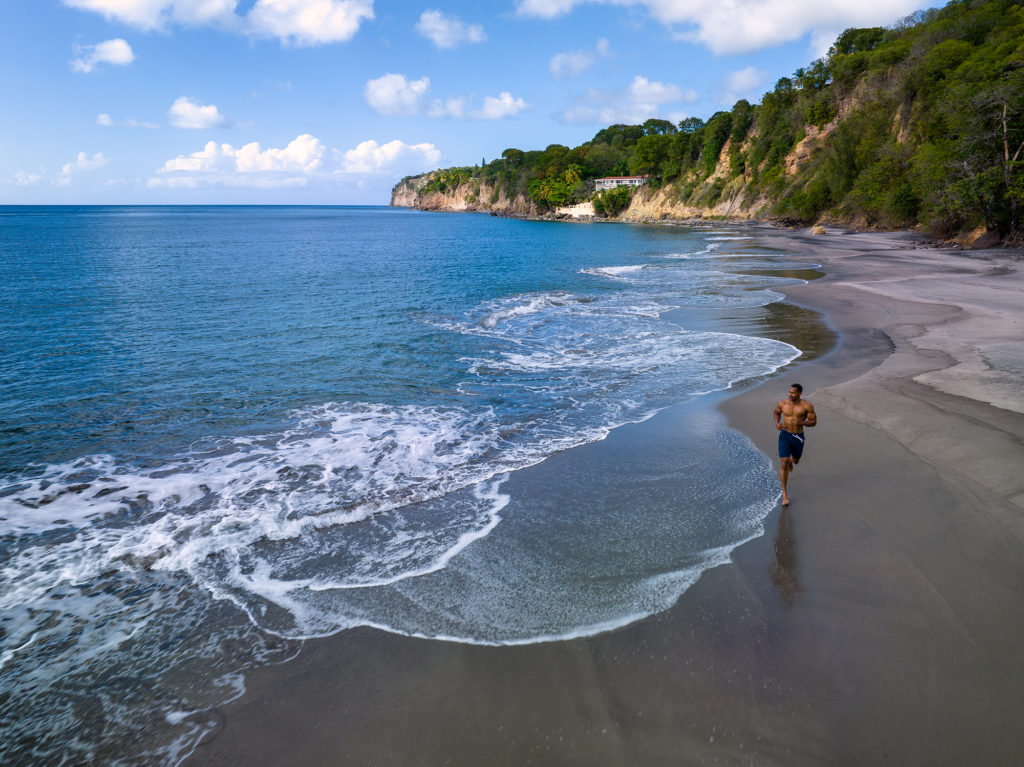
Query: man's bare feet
[[785, 500]]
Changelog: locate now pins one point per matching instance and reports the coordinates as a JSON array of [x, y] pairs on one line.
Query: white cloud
[[155, 14], [188, 113], [448, 31], [248, 166], [298, 22], [506, 105], [821, 41], [107, 121], [741, 26], [570, 64], [744, 80], [21, 178], [642, 90], [309, 22], [304, 162], [371, 157], [743, 83], [394, 95], [115, 51], [575, 63], [453, 107], [80, 163], [546, 9], [84, 162], [641, 100]]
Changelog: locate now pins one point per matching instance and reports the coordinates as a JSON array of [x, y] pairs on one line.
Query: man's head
[[795, 390]]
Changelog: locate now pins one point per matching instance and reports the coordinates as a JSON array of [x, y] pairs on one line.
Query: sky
[[334, 101]]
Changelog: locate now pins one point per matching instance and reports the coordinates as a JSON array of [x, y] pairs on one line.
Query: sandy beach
[[877, 621]]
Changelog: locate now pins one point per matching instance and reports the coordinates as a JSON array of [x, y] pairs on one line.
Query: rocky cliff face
[[730, 202], [474, 195]]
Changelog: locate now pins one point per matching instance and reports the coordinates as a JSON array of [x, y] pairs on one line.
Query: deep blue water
[[229, 428]]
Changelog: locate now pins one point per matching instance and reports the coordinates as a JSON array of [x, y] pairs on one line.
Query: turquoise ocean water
[[227, 429]]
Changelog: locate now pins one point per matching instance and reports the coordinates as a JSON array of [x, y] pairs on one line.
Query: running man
[[791, 416]]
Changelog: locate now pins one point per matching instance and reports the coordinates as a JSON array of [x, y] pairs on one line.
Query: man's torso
[[793, 416]]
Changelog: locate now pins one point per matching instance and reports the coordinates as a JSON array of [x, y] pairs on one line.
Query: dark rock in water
[[989, 239]]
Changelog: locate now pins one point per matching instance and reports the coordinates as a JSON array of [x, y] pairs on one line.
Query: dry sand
[[880, 619]]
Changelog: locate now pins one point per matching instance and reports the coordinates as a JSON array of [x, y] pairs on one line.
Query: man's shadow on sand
[[784, 571]]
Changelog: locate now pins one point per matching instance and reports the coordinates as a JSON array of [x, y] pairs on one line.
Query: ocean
[[229, 429]]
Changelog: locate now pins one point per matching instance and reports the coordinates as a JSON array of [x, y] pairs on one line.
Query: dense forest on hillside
[[918, 123]]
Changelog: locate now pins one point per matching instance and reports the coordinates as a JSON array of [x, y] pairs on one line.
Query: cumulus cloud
[[448, 32], [742, 26], [305, 161], [395, 95], [743, 83], [190, 114], [371, 157], [644, 91], [575, 63], [223, 165], [505, 105], [292, 22], [155, 14], [81, 163], [641, 100], [84, 162], [115, 51], [309, 22], [546, 9]]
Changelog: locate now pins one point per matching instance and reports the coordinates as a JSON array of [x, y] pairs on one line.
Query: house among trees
[[611, 182]]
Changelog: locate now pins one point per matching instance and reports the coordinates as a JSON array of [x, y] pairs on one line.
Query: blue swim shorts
[[790, 445]]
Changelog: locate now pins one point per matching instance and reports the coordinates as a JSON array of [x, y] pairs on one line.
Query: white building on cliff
[[611, 182]]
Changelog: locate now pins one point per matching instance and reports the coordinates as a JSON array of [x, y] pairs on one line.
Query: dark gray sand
[[879, 620]]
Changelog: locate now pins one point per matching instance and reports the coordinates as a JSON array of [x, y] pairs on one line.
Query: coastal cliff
[[917, 125], [645, 204], [472, 195]]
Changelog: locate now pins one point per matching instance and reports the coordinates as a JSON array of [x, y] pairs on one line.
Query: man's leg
[[784, 469]]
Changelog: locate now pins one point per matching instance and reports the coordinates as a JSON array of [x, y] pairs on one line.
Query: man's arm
[[812, 417], [776, 414]]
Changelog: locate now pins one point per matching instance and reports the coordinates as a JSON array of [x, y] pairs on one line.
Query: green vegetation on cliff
[[918, 123]]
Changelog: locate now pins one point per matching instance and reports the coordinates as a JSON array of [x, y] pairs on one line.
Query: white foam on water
[[554, 570], [615, 272], [523, 305]]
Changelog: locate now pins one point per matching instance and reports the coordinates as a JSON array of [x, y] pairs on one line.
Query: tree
[[513, 157], [657, 127], [611, 201], [857, 40], [650, 154], [690, 125]]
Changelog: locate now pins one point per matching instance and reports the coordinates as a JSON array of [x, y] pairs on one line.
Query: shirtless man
[[791, 416]]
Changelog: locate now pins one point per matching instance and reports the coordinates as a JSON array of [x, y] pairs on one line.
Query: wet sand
[[878, 621]]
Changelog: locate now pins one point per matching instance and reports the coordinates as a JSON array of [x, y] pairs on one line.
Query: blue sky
[[333, 101]]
